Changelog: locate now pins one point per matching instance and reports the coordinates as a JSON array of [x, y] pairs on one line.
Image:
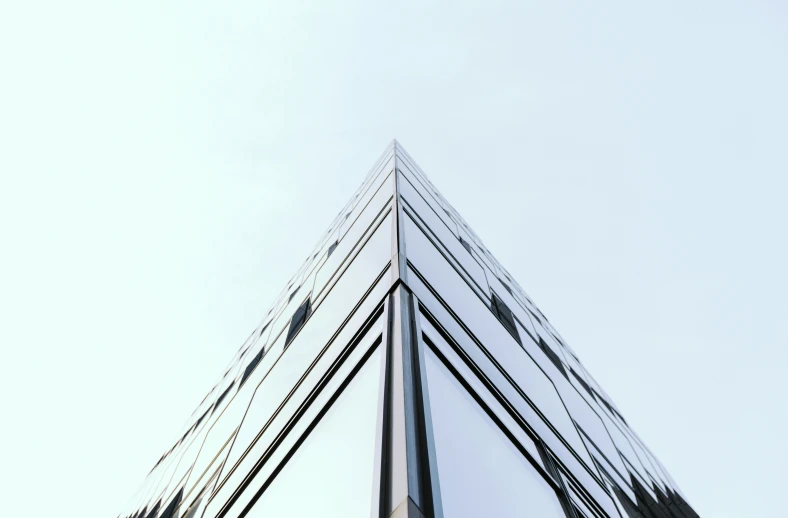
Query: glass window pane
[[461, 253], [476, 315], [349, 242], [331, 473], [480, 471]]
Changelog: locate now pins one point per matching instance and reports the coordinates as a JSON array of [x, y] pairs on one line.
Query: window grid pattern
[[597, 464]]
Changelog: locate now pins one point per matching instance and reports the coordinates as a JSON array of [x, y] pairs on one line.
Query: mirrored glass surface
[[331, 472], [353, 240], [493, 336], [259, 424], [418, 187], [530, 393], [371, 201], [457, 253], [526, 441], [322, 324], [480, 471]]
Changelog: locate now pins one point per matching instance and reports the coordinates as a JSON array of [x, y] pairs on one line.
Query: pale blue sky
[[166, 166]]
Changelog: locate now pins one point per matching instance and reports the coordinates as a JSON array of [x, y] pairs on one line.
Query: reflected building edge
[[404, 372]]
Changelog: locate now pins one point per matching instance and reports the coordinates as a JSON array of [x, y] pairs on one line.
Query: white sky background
[[166, 167]]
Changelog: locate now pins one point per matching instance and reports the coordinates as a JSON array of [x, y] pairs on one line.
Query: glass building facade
[[403, 372]]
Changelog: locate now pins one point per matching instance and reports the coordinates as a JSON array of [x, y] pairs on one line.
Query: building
[[403, 372]]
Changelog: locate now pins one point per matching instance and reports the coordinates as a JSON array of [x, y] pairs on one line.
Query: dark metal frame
[[406, 478]]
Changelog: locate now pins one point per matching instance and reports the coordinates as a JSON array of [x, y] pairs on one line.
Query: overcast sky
[[165, 167]]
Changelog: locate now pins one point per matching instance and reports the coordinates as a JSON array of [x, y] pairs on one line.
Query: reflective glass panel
[[472, 311], [350, 240], [461, 253], [416, 187], [480, 471], [331, 473]]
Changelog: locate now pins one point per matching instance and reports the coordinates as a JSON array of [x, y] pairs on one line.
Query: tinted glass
[[480, 470], [331, 473]]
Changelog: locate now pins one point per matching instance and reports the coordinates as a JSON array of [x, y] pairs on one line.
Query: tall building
[[404, 373]]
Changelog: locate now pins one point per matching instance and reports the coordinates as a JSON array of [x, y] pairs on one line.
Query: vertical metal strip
[[430, 477], [380, 478], [401, 270], [410, 403], [398, 468], [405, 484], [555, 472]]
